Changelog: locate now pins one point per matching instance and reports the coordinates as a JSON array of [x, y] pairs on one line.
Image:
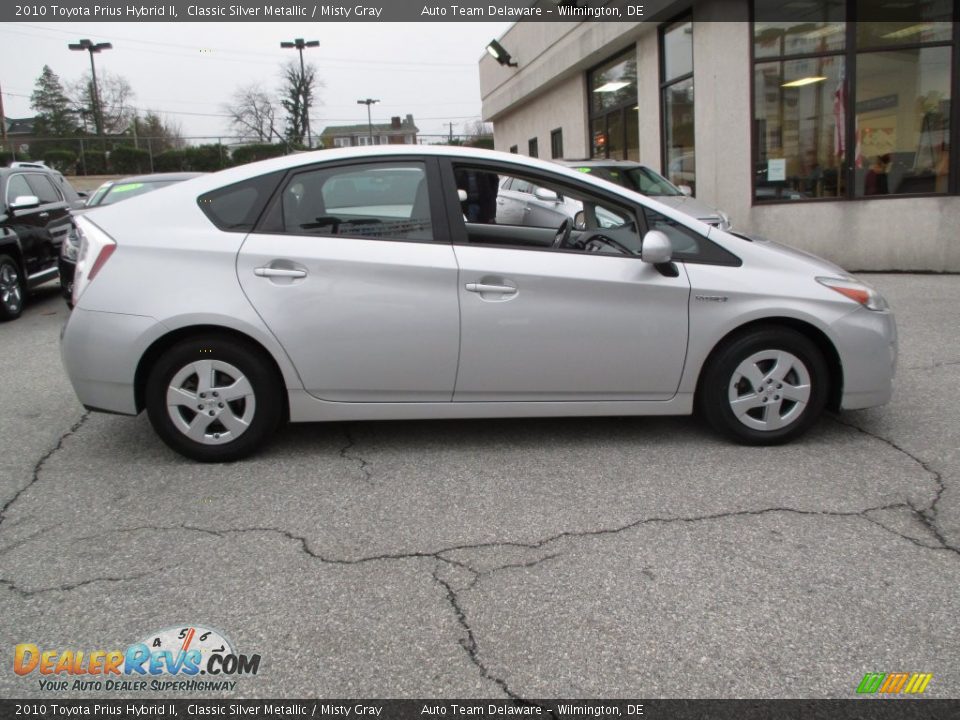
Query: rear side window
[[388, 201], [235, 208]]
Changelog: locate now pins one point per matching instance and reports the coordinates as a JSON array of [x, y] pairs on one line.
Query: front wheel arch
[[811, 332], [164, 343]]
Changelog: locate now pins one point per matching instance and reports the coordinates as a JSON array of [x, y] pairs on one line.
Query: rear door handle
[[487, 288], [279, 272]]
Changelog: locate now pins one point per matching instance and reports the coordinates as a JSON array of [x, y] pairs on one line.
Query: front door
[[568, 317]]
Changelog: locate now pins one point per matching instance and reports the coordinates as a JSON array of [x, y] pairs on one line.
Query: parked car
[[647, 181], [34, 222], [75, 198], [109, 193], [329, 286]]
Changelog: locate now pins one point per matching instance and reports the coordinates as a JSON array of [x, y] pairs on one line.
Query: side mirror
[[545, 195], [25, 202], [580, 221], [656, 248], [686, 190], [462, 195]]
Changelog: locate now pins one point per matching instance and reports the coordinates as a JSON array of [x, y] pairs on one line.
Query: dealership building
[[829, 125]]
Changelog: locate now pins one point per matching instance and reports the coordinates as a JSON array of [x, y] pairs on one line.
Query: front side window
[[43, 188], [375, 201], [505, 209], [17, 187]]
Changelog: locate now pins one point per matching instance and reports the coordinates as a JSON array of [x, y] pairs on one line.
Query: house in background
[[17, 134], [396, 132]]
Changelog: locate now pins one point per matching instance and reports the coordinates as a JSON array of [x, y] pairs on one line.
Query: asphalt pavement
[[613, 557]]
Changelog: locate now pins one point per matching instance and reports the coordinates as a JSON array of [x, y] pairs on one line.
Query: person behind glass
[[875, 183], [481, 189]]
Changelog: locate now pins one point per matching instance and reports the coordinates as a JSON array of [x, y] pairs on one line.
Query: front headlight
[[855, 290]]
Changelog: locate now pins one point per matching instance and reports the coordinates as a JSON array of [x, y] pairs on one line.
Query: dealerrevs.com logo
[[170, 660]]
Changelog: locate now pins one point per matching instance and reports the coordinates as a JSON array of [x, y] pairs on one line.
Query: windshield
[[122, 191], [641, 179]]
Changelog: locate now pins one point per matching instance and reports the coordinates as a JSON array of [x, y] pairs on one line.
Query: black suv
[[35, 219]]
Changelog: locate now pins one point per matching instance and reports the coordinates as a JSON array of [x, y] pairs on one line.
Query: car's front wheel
[[214, 399], [11, 289], [764, 387]]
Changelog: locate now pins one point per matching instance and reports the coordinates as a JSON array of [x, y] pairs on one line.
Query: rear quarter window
[[236, 208]]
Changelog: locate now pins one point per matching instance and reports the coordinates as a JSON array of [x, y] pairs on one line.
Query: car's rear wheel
[[214, 399], [11, 289], [764, 387]]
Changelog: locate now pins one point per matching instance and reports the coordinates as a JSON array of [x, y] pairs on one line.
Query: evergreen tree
[[54, 116]]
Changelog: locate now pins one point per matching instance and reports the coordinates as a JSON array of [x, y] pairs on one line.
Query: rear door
[[353, 271]]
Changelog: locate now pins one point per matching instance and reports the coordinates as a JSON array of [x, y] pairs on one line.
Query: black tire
[[261, 408], [722, 383], [11, 289]]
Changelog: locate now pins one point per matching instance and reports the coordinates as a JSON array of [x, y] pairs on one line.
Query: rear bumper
[[100, 352], [867, 344]]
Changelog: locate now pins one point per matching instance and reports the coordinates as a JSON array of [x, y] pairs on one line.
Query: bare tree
[[296, 96], [116, 100], [252, 113]]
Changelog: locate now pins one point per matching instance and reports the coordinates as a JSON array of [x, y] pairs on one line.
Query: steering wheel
[[563, 234], [594, 242]]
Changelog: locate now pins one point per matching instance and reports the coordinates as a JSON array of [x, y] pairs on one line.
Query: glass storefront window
[[905, 22], [614, 84], [678, 134], [613, 102], [863, 119], [799, 123], [677, 51], [676, 104], [903, 121]]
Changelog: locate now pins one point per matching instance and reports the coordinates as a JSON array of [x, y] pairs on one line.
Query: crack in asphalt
[[933, 366], [469, 643], [364, 466], [79, 584], [38, 466], [928, 515]]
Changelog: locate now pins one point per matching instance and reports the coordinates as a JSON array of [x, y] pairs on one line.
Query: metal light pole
[[93, 48], [368, 102], [300, 44]]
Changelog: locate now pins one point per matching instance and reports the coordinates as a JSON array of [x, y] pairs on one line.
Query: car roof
[[157, 177], [600, 162]]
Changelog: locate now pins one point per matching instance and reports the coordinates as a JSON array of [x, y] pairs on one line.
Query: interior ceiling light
[[803, 81], [612, 86], [908, 31]]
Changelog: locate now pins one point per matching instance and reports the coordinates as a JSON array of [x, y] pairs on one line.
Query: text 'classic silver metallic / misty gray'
[[393, 283]]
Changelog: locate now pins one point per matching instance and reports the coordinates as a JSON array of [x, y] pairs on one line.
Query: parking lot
[[612, 557]]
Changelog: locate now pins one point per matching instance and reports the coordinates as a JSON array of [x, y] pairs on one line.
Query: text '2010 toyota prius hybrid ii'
[[375, 283]]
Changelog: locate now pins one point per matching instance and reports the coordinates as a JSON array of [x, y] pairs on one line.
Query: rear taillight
[[96, 247]]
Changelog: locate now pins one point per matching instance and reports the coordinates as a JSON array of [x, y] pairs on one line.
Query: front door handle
[[488, 288], [279, 272]]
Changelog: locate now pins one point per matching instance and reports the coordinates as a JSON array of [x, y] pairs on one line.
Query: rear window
[[235, 208]]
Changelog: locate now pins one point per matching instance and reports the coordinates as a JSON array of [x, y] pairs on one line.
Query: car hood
[[793, 256], [688, 205]]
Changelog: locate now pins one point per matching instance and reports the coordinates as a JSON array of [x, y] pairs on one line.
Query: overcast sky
[[187, 71]]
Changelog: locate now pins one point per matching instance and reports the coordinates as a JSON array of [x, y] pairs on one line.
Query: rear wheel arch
[[811, 332], [159, 346]]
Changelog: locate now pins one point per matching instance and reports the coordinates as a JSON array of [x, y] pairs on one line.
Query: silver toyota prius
[[382, 283]]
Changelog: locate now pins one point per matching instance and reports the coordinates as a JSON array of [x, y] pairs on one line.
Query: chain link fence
[[126, 155]]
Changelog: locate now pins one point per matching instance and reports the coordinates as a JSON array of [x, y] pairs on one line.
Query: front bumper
[[100, 352], [867, 343]]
